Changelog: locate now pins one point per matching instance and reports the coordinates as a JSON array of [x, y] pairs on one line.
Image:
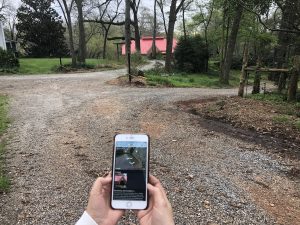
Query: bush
[[237, 63], [191, 54], [8, 60]]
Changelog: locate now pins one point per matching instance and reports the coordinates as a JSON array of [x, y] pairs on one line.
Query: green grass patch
[[3, 113], [273, 97], [297, 124], [279, 100], [211, 79], [4, 181], [50, 65], [281, 119]]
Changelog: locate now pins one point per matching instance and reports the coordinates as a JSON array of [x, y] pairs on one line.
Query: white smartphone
[[130, 171]]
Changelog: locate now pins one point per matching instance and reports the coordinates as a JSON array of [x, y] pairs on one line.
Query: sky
[[16, 3]]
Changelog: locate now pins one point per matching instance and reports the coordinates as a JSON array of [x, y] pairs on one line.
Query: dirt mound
[[138, 81]]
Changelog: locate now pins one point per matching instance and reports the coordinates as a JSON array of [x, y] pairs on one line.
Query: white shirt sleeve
[[86, 219]]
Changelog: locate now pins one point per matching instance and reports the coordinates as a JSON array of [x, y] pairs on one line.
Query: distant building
[[146, 45], [2, 37]]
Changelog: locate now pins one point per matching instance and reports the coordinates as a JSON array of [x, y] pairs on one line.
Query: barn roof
[[146, 45]]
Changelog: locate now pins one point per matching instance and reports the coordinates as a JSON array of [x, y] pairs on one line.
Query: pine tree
[[40, 29]]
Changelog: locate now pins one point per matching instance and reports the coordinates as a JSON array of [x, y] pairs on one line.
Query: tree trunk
[[207, 47], [244, 72], [288, 17], [172, 21], [292, 92], [104, 43], [256, 84], [154, 32], [137, 35], [231, 44], [183, 22], [67, 15], [71, 40], [128, 37], [82, 43]]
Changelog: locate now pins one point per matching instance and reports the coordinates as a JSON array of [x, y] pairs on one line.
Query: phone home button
[[129, 204]]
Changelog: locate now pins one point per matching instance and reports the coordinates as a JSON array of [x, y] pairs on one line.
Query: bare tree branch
[[296, 31]]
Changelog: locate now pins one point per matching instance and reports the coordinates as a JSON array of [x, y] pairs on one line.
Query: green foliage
[[51, 65], [3, 113], [281, 119], [156, 78], [278, 99], [40, 29], [191, 54], [297, 124], [4, 181], [8, 60], [273, 97]]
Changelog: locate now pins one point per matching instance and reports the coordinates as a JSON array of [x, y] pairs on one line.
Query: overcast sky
[[17, 3]]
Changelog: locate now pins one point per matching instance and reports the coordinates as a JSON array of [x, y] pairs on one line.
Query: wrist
[[100, 221]]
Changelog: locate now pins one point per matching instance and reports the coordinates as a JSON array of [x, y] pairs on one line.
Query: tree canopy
[[40, 29]]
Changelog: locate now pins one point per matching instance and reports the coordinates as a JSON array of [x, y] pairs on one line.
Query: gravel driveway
[[61, 140]]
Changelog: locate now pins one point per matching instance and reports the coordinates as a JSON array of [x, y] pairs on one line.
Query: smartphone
[[130, 171]]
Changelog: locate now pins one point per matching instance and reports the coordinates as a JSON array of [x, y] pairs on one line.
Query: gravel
[[61, 140]]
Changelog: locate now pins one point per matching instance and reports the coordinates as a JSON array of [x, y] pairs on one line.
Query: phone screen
[[130, 171]]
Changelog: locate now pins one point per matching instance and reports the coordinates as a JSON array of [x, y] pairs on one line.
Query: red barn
[[146, 45]]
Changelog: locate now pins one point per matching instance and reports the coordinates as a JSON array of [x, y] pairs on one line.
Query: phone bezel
[[125, 204]]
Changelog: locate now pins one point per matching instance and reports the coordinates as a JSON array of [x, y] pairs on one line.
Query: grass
[[289, 111], [4, 181], [273, 97], [50, 65], [210, 79], [297, 124], [278, 99], [3, 114], [281, 119]]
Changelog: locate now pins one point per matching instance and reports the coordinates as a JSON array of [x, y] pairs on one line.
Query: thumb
[[156, 194]]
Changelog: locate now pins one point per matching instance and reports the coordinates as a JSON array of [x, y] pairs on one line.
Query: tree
[[160, 4], [226, 65], [82, 41], [185, 7], [3, 8], [104, 13], [40, 29], [205, 19], [174, 9], [111, 16], [66, 9], [191, 54], [135, 4], [128, 37], [154, 31]]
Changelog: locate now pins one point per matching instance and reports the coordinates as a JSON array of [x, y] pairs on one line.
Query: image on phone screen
[[130, 171]]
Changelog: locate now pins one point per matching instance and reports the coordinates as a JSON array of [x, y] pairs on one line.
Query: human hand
[[99, 207], [159, 211]]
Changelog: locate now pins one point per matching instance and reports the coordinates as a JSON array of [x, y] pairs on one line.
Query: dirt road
[[61, 140]]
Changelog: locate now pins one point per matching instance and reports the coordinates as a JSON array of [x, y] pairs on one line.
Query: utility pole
[[128, 38]]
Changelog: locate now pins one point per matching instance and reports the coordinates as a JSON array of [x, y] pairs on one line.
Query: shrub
[[8, 60], [237, 63], [191, 54]]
